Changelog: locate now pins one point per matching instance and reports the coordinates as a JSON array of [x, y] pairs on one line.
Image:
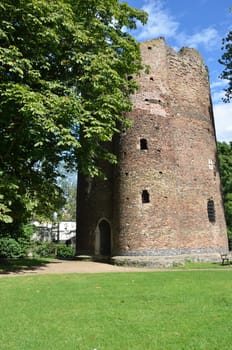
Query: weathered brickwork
[[155, 201]]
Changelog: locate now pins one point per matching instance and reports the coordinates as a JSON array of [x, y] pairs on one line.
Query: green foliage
[[229, 229], [10, 248], [52, 250], [4, 212], [16, 244], [225, 166], [68, 184], [226, 60], [45, 249], [27, 231], [64, 66], [64, 251]]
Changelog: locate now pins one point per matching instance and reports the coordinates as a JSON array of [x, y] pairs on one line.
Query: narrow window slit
[[143, 144], [211, 211], [145, 196]]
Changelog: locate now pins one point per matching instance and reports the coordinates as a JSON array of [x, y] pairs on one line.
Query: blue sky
[[194, 23]]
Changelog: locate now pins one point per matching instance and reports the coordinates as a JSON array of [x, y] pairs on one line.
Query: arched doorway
[[105, 238]]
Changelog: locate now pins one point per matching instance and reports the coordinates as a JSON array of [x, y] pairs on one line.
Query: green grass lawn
[[181, 310]]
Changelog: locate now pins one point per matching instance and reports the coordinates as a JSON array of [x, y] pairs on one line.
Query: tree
[[69, 209], [68, 184], [64, 88], [226, 61], [225, 165], [224, 149]]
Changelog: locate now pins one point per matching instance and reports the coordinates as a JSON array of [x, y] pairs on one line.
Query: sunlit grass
[[203, 265], [181, 310]]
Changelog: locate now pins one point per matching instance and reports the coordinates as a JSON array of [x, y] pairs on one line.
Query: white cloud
[[217, 96], [223, 121], [218, 84], [218, 90], [207, 37], [222, 111], [160, 22]]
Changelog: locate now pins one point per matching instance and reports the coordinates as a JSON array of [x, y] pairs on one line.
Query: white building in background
[[61, 232], [67, 230]]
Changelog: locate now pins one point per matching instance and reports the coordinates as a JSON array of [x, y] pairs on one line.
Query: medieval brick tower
[[163, 198]]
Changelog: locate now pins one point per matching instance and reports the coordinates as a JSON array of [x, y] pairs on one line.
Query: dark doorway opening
[[105, 238]]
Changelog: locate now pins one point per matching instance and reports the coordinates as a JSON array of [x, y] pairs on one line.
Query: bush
[[10, 248], [64, 251], [52, 250], [16, 244], [46, 250], [27, 231]]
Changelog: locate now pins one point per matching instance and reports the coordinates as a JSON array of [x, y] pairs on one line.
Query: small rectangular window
[[145, 196], [143, 144], [211, 210]]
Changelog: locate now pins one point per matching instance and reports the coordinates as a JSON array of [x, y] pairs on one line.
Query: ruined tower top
[[182, 77]]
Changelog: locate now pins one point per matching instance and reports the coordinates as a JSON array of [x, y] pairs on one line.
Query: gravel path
[[75, 266], [61, 266]]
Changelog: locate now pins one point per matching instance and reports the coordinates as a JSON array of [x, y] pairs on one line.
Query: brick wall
[[177, 167]]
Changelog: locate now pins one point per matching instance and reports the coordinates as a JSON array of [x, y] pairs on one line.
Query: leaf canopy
[[225, 162], [226, 61], [64, 91]]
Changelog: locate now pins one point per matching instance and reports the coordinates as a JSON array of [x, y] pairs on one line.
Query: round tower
[[164, 196]]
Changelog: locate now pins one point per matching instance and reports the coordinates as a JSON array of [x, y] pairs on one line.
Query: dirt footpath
[[61, 266]]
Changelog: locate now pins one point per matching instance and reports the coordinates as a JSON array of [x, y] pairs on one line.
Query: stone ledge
[[84, 257], [164, 261]]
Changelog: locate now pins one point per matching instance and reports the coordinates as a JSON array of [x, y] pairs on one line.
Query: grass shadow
[[8, 266]]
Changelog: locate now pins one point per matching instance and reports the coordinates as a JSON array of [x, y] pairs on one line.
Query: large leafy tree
[[225, 162], [226, 61], [224, 149], [64, 88]]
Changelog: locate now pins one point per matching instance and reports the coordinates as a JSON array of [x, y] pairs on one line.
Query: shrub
[[46, 249], [27, 231], [64, 251], [16, 244], [52, 250], [10, 248]]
